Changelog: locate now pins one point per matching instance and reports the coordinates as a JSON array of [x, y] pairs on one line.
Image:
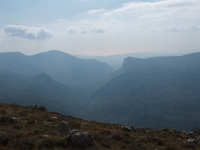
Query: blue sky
[[96, 27]]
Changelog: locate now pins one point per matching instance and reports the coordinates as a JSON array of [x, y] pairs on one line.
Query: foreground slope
[[155, 92], [34, 128]]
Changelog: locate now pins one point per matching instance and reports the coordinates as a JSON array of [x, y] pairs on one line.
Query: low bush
[[25, 144], [117, 137], [42, 108]]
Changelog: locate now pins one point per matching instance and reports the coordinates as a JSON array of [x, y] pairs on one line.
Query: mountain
[[60, 66], [17, 62], [154, 92], [42, 90], [116, 61], [70, 70]]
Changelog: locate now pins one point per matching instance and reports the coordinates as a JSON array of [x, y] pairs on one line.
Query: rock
[[54, 118], [174, 130], [125, 128], [14, 120], [190, 140], [190, 134], [133, 129], [63, 128], [80, 140]]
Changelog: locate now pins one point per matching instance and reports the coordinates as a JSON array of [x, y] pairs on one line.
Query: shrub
[[17, 127], [3, 119], [23, 113], [197, 131], [31, 121], [62, 143], [26, 144], [47, 143], [42, 108], [98, 137], [117, 137], [105, 132], [105, 144], [2, 111], [4, 139]]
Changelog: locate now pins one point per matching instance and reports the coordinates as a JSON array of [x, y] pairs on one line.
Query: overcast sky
[[96, 27]]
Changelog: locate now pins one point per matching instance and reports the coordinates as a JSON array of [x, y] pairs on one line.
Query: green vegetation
[[35, 130]]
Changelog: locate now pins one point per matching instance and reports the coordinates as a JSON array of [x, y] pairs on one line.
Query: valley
[[156, 92]]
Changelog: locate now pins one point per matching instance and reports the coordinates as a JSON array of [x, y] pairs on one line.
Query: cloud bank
[[180, 28], [27, 32], [84, 30]]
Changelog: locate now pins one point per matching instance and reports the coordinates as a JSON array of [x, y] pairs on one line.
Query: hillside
[[42, 90], [70, 70], [154, 92], [34, 128], [16, 62], [60, 66], [116, 60], [157, 92]]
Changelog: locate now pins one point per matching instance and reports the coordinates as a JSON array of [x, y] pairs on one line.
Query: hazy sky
[[96, 27]]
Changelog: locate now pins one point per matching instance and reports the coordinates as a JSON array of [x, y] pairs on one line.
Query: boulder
[[62, 128], [80, 140]]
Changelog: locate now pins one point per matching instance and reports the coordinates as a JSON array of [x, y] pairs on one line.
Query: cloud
[[162, 10], [27, 32], [95, 11], [77, 30], [179, 28], [148, 6], [97, 30]]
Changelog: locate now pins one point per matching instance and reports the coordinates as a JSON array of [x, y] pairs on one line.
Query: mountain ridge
[[151, 92], [60, 66], [153, 88]]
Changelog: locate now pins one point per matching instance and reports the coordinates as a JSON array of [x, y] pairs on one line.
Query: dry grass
[[35, 130]]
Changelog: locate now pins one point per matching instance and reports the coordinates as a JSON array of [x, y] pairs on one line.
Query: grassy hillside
[[42, 90], [35, 129]]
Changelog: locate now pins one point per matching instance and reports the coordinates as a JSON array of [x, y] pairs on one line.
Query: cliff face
[[35, 128]]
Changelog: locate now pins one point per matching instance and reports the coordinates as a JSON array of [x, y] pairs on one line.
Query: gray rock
[[14, 120], [63, 128], [80, 140], [190, 134], [125, 128]]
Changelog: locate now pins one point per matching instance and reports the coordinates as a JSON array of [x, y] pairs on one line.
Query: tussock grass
[[36, 126]]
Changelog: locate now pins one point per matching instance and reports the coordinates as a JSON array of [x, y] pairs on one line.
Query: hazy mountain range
[[60, 66], [116, 61], [155, 92]]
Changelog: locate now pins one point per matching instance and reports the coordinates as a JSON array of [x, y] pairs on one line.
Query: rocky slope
[[33, 127]]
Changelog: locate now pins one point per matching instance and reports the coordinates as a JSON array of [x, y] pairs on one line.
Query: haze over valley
[[157, 92]]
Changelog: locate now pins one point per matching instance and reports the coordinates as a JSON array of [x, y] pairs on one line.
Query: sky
[[96, 27]]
